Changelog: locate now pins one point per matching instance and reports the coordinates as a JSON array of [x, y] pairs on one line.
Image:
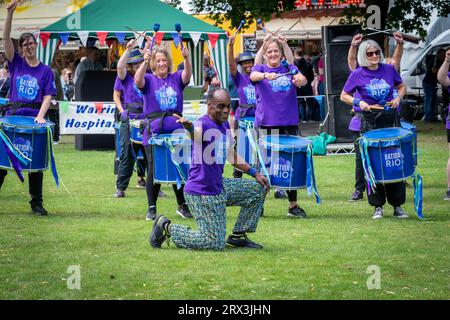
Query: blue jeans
[[430, 101]]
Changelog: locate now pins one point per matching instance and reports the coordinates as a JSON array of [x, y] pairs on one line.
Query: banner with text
[[86, 117]]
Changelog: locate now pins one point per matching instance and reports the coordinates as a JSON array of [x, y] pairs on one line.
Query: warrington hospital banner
[[78, 117]]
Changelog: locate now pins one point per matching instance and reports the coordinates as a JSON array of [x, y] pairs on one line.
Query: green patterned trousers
[[210, 214]]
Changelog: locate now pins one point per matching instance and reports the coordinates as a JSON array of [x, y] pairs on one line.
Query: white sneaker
[[378, 213]]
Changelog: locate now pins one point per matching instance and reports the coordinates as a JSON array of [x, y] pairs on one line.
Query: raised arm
[[443, 71], [187, 71], [7, 42], [353, 51], [122, 64], [398, 52], [287, 51], [139, 78], [260, 53], [231, 61]]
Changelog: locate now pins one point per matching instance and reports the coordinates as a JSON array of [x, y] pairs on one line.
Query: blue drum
[[135, 131], [388, 154], [286, 160], [31, 139], [244, 147], [117, 142], [411, 127], [171, 158]]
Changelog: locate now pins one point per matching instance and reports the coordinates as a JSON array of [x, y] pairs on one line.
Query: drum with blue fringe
[[31, 140], [244, 148], [136, 131], [286, 160], [388, 154], [171, 158], [411, 127]]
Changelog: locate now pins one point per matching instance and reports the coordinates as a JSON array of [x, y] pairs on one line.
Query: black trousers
[[35, 181], [290, 130], [154, 188], [53, 116], [394, 193]]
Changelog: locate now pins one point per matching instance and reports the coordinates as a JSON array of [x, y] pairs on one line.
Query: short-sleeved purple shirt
[[208, 157], [29, 84], [245, 90], [374, 86], [276, 100], [163, 95], [130, 93]]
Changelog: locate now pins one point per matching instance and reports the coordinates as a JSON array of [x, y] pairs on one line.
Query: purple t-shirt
[[208, 157], [130, 92], [246, 92], [374, 86], [276, 100], [29, 84], [162, 95]]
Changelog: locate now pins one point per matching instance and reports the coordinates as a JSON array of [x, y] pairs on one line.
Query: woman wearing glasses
[[32, 87], [375, 82]]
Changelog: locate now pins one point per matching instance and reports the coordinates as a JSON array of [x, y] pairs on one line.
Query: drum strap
[[311, 185], [417, 182], [51, 156], [243, 108], [14, 154], [160, 115], [14, 106]]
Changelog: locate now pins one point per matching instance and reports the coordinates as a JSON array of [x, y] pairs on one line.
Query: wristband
[[356, 102], [251, 172]]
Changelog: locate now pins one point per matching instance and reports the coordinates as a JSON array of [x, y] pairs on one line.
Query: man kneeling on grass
[[207, 193]]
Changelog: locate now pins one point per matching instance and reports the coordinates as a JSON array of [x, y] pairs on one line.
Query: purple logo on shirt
[[378, 89], [27, 87], [167, 98], [250, 94], [280, 84]]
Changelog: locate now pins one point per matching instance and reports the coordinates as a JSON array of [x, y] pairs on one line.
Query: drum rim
[[406, 134], [287, 135], [47, 123]]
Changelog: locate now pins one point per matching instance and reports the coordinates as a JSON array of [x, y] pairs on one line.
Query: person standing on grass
[[375, 82], [31, 98], [125, 90], [208, 193], [163, 97], [444, 79], [356, 121], [276, 99]]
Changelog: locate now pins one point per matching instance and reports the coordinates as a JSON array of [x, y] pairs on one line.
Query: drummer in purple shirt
[[32, 87], [207, 193], [129, 102], [444, 78], [163, 97], [276, 100], [375, 82]]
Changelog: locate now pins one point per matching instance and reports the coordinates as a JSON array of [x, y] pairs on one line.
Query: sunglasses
[[371, 53]]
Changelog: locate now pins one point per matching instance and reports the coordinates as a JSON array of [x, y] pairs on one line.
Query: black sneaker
[[39, 210], [447, 195], [160, 231], [399, 213], [141, 184], [161, 194], [297, 212], [357, 195], [378, 213], [184, 211], [280, 194], [151, 214], [242, 241], [119, 194]]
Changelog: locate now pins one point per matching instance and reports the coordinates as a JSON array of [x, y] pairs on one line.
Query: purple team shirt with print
[[246, 92], [208, 157], [374, 86], [29, 84], [130, 93], [276, 100], [161, 95]]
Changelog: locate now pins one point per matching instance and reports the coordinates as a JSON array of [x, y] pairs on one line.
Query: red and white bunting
[[213, 37], [44, 36], [83, 35], [101, 37], [195, 36]]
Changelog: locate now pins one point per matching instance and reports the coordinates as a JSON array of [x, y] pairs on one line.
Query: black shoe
[[357, 195], [297, 212], [399, 213], [280, 194], [141, 184], [39, 210], [161, 194], [160, 231], [447, 195], [242, 241], [151, 214], [184, 211], [119, 194]]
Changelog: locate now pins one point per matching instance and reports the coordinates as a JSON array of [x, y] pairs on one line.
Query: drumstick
[[137, 32], [259, 24], [178, 29], [156, 27], [239, 28], [293, 72]]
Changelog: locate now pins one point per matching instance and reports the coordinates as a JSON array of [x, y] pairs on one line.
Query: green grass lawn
[[323, 257]]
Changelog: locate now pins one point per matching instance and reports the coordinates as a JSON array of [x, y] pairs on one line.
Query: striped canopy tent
[[110, 19]]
